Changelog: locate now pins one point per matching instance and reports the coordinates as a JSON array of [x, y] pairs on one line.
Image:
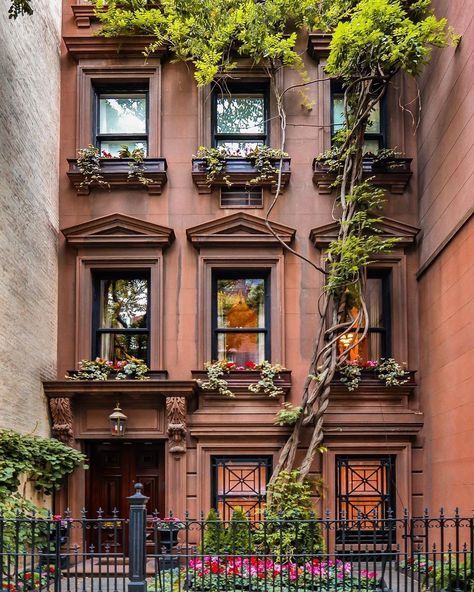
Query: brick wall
[[446, 186], [29, 133]]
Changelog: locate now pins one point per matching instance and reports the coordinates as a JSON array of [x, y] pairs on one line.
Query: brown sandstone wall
[[446, 283]]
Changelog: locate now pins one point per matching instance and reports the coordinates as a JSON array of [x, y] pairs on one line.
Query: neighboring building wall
[[29, 132], [446, 278]]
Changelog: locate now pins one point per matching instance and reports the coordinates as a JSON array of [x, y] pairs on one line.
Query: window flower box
[[391, 173], [240, 380], [115, 173], [238, 171]]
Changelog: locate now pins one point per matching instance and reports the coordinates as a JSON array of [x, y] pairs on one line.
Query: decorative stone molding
[[92, 46], [318, 45], [322, 236], [239, 229], [176, 411], [61, 414], [118, 230]]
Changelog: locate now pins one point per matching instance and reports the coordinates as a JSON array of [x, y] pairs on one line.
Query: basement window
[[241, 197]]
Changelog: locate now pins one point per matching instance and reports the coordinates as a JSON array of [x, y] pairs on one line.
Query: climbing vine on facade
[[372, 42]]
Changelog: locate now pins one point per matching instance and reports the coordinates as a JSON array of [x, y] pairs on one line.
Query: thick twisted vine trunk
[[326, 358]]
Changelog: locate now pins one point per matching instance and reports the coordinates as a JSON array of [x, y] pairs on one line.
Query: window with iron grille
[[239, 481], [241, 197], [365, 497]]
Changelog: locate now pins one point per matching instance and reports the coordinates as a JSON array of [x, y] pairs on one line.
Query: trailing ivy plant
[[137, 166], [262, 157], [372, 41], [287, 415], [266, 385], [88, 163], [43, 461]]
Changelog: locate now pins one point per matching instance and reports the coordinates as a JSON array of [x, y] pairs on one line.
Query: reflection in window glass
[[240, 319], [114, 147], [122, 114], [241, 114], [371, 145], [121, 318]]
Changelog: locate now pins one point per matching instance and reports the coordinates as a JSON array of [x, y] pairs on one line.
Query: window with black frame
[[377, 343], [121, 118], [241, 316], [240, 116], [239, 482], [375, 136], [365, 498], [121, 315]]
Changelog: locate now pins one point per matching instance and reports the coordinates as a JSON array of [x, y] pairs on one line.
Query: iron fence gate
[[168, 554]]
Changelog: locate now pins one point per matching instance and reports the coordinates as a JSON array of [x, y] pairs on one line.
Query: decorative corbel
[[176, 411], [61, 414]]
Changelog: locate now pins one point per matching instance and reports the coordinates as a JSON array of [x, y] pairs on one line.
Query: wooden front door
[[114, 469]]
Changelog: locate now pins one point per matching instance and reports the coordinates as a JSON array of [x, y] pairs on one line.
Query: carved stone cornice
[[318, 45], [61, 415], [91, 46], [240, 229], [176, 412], [96, 388], [118, 230], [322, 236]]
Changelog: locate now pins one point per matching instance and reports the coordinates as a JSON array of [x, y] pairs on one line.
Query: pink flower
[[57, 518]]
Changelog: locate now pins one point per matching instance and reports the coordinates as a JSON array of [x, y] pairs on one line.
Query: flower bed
[[254, 574]]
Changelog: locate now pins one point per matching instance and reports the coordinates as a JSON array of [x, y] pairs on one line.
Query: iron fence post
[[136, 541]]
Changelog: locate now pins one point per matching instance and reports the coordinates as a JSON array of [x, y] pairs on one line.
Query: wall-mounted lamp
[[118, 421]]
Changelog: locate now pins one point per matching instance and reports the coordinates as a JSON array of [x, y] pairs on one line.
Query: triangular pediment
[[118, 230], [321, 236], [241, 230]]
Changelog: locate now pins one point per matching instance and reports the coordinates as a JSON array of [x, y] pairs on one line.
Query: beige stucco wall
[[29, 132]]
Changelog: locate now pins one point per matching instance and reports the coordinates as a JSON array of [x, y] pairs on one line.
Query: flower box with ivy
[[100, 369], [260, 167], [95, 170], [225, 379], [391, 172]]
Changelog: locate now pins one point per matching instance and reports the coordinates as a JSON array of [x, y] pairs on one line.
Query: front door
[[115, 467]]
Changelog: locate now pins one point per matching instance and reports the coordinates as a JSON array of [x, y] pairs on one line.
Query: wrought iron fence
[[143, 553]]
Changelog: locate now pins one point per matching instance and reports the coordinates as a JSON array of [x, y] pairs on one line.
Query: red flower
[[250, 365], [230, 365], [106, 154]]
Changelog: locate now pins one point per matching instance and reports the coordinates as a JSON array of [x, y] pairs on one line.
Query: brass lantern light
[[118, 421]]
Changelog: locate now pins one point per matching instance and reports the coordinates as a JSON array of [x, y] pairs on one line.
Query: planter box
[[391, 173], [152, 374], [240, 171], [115, 173], [239, 381]]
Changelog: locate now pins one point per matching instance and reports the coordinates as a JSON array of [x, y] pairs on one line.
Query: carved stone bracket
[[61, 413], [176, 411]]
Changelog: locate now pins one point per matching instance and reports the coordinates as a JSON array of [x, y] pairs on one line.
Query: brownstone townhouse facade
[[178, 273]]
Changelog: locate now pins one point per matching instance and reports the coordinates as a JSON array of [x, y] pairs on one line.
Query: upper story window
[[121, 117], [241, 317], [375, 136], [240, 116], [121, 319], [377, 343]]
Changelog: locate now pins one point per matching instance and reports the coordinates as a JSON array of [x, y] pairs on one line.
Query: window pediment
[[118, 230], [321, 236], [240, 228]]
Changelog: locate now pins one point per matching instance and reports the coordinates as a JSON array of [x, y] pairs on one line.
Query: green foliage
[[88, 163], [288, 415], [214, 534], [291, 531], [44, 461], [210, 33], [382, 37], [266, 384], [97, 369], [454, 574], [19, 8], [261, 157], [238, 536], [391, 372], [137, 166]]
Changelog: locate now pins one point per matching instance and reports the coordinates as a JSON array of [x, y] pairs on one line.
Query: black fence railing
[[143, 553]]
